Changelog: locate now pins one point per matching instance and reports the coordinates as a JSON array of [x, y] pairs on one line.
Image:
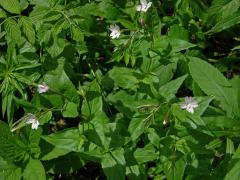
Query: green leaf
[[11, 148], [113, 164], [213, 83], [78, 35], [236, 86], [54, 153], [124, 102], [123, 77], [92, 102], [226, 23], [69, 139], [28, 29], [153, 137], [61, 85], [70, 110], [222, 125], [233, 173], [236, 48], [136, 127], [176, 170], [126, 23], [146, 154], [203, 103], [45, 117], [7, 105], [8, 171], [34, 170], [178, 32], [13, 31], [11, 6], [109, 11], [179, 45], [100, 130], [57, 46], [169, 90], [230, 147], [30, 66], [2, 13], [133, 173]]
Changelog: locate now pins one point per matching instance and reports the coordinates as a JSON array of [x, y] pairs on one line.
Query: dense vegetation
[[119, 89]]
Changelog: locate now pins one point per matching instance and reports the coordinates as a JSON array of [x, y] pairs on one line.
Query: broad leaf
[[213, 83], [69, 139], [146, 154], [70, 110], [34, 170], [113, 164], [92, 102], [169, 90]]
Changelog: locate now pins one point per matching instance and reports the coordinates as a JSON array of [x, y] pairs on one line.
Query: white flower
[[189, 104], [31, 119], [42, 88], [115, 31], [143, 6], [165, 122]]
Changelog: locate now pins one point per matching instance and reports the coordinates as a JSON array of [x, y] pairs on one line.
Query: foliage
[[112, 108]]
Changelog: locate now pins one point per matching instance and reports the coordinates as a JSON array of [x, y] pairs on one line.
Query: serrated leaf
[[28, 29], [78, 35], [12, 6], [10, 147], [13, 31]]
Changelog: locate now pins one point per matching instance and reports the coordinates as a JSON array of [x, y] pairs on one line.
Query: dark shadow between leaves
[[71, 163]]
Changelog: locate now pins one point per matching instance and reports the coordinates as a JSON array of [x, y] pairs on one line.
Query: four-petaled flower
[[42, 88], [189, 104], [143, 6], [115, 31], [31, 119]]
